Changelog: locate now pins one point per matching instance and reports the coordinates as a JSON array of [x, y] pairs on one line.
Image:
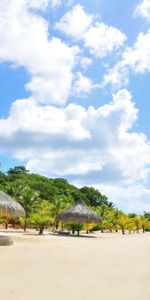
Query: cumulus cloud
[[85, 62], [135, 59], [132, 198], [25, 42], [143, 9], [82, 85], [91, 145], [87, 145], [100, 38], [75, 23]]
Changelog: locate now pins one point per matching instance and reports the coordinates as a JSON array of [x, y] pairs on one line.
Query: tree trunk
[[78, 230], [62, 226], [41, 229], [25, 224], [87, 229], [56, 225], [143, 229], [123, 231]]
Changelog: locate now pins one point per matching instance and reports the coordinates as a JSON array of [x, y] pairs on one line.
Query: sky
[[75, 91]]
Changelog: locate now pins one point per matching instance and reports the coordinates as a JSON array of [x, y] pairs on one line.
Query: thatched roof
[[79, 213], [9, 207]]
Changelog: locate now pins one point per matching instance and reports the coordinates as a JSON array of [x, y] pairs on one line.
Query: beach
[[99, 267]]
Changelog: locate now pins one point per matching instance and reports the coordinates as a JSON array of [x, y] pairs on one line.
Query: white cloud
[[143, 9], [89, 146], [54, 84], [56, 2], [100, 38], [85, 62], [25, 42], [75, 23], [36, 4], [82, 85], [135, 60], [134, 198]]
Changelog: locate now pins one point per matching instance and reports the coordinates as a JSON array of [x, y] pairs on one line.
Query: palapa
[[79, 213], [10, 207]]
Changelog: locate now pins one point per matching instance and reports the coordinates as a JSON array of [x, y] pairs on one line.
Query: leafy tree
[[3, 182], [16, 173], [93, 197], [122, 222], [27, 197], [145, 223], [130, 225], [41, 215], [147, 215], [58, 205], [136, 220], [74, 227]]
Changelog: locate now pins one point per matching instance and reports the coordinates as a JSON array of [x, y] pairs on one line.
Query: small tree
[[75, 227], [27, 198], [145, 223], [130, 225], [138, 222], [122, 222], [41, 216], [58, 205]]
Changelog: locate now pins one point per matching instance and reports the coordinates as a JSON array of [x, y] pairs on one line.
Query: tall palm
[[26, 197], [57, 207]]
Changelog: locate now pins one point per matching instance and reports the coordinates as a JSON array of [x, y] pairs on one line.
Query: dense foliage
[[44, 198], [18, 181]]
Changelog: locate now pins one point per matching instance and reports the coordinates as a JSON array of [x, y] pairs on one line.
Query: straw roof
[[9, 207], [79, 213]]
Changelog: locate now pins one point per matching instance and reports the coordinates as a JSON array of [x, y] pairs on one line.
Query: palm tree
[[145, 223], [57, 206], [41, 215], [137, 221], [27, 197], [122, 222]]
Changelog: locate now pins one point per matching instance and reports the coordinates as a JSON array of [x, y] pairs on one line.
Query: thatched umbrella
[[79, 213], [8, 208]]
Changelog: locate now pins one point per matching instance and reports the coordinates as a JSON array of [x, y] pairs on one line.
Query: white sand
[[108, 267]]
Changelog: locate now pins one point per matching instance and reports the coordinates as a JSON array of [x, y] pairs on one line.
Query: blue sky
[[74, 93]]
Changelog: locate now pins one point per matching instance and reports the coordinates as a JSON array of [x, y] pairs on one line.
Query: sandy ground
[[105, 267]]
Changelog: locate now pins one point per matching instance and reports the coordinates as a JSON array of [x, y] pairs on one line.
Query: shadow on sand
[[58, 234], [73, 235]]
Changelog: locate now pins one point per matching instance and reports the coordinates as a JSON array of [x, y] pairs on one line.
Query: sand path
[[109, 267]]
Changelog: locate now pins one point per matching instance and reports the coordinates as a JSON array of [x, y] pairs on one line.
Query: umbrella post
[[78, 230], [62, 226], [87, 228]]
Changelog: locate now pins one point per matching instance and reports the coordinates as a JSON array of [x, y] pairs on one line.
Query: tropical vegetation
[[43, 199]]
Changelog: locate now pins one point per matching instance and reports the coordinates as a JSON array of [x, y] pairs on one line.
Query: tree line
[[45, 198]]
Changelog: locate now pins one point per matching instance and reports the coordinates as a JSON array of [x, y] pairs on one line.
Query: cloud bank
[[53, 130]]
